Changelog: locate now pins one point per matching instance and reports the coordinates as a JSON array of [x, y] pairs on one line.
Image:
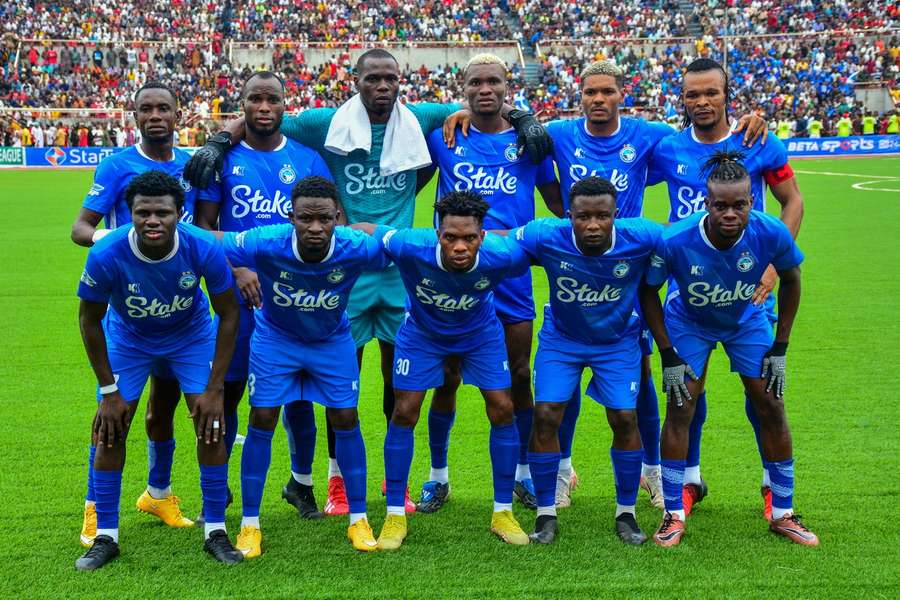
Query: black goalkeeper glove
[[674, 372], [531, 135], [207, 161]]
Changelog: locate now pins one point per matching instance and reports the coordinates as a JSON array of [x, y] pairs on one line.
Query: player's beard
[[269, 131]]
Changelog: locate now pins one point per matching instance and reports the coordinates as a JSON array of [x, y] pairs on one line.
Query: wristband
[[99, 234], [109, 389], [779, 348], [668, 355]]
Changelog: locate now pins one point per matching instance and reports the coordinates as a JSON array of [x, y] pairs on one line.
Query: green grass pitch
[[842, 403]]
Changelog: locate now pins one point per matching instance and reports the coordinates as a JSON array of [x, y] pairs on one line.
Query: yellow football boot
[[393, 532], [249, 541], [505, 527], [89, 525], [361, 536], [165, 508]]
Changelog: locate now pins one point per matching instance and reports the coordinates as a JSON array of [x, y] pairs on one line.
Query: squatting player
[[678, 160], [717, 258], [487, 162], [301, 347], [595, 263], [603, 143], [156, 112], [370, 191], [450, 274], [255, 190], [142, 310]]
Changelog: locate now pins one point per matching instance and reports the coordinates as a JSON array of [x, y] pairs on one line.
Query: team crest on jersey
[[621, 269], [185, 185], [511, 153], [745, 263], [482, 283], [187, 280], [336, 276], [287, 174], [627, 153]]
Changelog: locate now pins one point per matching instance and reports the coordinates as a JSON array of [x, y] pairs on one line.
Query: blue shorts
[[284, 369], [132, 364], [514, 300], [559, 362], [240, 360], [746, 346], [419, 358]]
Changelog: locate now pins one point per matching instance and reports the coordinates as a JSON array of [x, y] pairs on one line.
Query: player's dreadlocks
[[154, 183], [592, 186], [315, 187], [701, 65], [725, 166], [461, 204]]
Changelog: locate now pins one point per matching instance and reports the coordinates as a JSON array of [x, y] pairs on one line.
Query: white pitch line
[[846, 174]]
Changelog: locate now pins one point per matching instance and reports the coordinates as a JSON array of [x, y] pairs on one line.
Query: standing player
[[301, 348], [450, 275], [255, 190], [372, 189], [156, 112], [716, 259], [678, 160], [595, 263], [606, 144], [487, 162], [142, 310]]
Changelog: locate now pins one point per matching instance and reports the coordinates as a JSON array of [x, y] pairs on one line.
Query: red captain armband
[[779, 175]]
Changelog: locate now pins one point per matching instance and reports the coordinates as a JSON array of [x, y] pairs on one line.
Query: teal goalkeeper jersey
[[365, 194]]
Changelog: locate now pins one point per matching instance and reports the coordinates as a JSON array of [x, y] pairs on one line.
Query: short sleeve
[[655, 173], [310, 127], [320, 168], [775, 154], [528, 237], [433, 139], [657, 130], [390, 239], [658, 270], [375, 256], [431, 115], [215, 270], [213, 193], [240, 248], [546, 173], [101, 197], [787, 254], [519, 260], [96, 284]]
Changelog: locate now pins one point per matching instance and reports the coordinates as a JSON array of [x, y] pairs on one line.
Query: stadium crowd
[[809, 78]]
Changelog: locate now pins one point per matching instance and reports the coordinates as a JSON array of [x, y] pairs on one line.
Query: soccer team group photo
[[298, 271]]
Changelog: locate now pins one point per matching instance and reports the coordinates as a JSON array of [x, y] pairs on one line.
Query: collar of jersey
[[709, 243], [437, 259], [727, 135], [142, 153], [297, 252], [275, 149], [507, 130], [133, 244], [591, 135], [612, 244]]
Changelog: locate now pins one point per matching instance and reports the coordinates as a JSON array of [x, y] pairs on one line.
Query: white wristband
[[109, 389], [99, 234]]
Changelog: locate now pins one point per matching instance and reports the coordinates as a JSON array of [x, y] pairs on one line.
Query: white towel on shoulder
[[404, 146]]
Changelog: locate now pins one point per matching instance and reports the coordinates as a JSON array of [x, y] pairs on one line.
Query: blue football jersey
[[255, 187], [622, 158], [447, 303], [157, 304], [678, 160], [592, 298], [489, 164], [715, 287], [305, 301], [115, 172]]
